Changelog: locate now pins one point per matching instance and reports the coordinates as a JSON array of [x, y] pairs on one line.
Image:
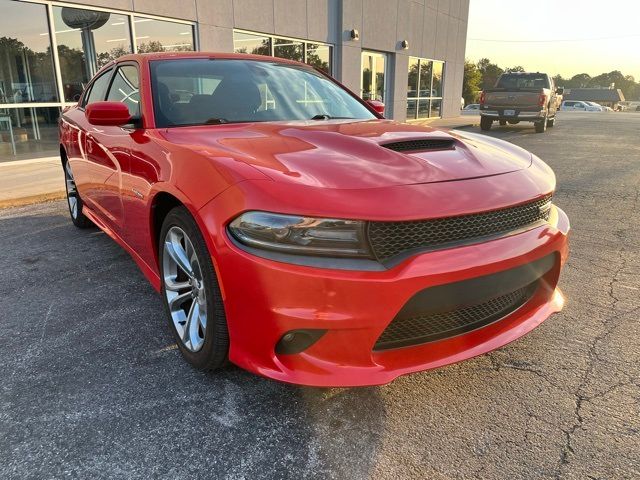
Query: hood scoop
[[421, 145]]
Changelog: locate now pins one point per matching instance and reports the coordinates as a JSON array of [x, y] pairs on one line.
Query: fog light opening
[[296, 341]]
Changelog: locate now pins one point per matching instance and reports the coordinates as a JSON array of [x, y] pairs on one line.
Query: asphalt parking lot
[[92, 387]]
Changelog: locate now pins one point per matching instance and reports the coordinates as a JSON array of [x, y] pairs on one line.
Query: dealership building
[[409, 54]]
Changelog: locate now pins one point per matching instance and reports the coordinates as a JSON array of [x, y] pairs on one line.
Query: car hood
[[353, 154]]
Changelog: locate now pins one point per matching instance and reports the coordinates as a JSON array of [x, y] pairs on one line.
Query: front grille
[[420, 145], [429, 327], [389, 239]]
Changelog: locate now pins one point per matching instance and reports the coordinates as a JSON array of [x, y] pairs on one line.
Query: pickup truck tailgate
[[512, 99]]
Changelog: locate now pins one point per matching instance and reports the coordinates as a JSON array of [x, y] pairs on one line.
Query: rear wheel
[[551, 122], [191, 294], [485, 123], [73, 199], [541, 126]]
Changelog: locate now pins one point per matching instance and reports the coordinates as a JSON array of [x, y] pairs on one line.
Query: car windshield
[[518, 81], [215, 91]]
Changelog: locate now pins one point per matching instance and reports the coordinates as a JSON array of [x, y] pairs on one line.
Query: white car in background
[[579, 106], [601, 107], [471, 109]]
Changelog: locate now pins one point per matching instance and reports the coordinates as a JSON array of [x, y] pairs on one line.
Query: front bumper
[[264, 299]]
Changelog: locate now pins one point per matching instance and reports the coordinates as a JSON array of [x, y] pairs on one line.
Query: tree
[[490, 72], [471, 83], [580, 80]]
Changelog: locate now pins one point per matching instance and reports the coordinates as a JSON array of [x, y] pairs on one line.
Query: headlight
[[301, 235]]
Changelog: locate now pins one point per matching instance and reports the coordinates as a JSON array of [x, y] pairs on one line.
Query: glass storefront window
[[162, 36], [87, 40], [412, 106], [28, 132], [373, 76], [26, 62], [319, 56], [315, 54], [31, 72], [435, 108], [412, 82], [253, 44], [425, 84], [437, 79], [425, 79], [289, 49]]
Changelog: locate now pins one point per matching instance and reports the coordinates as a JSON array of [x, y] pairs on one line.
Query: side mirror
[[377, 106], [107, 113], [560, 90]]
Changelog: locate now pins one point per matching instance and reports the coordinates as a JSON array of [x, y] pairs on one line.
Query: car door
[[105, 154]]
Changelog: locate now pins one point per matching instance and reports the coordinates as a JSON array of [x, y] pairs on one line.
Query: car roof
[[156, 56], [149, 57]]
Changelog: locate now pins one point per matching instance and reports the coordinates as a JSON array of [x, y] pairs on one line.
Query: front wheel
[[485, 123], [74, 202], [190, 292]]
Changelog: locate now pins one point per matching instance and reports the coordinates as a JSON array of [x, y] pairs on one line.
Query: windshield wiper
[[324, 116], [216, 121]]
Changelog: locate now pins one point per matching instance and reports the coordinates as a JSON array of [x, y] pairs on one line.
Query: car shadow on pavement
[[93, 384]]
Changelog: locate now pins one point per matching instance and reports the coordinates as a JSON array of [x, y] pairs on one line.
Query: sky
[[563, 37]]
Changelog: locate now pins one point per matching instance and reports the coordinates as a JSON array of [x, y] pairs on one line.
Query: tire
[[74, 202], [194, 295], [485, 123], [503, 123], [541, 126], [551, 122]]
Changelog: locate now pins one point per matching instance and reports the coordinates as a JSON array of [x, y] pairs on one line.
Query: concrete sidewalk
[[24, 182], [455, 122]]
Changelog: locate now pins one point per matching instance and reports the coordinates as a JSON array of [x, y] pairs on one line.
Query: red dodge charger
[[295, 232]]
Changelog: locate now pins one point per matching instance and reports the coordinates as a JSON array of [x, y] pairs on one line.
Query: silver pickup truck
[[521, 97]]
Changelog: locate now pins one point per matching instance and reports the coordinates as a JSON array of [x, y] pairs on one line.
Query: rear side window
[[125, 88], [523, 81], [99, 88]]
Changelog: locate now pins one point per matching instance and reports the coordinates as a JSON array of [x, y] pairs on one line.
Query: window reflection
[[162, 36], [437, 79], [253, 44], [124, 88], [412, 87], [373, 76], [319, 56], [289, 49], [425, 85], [28, 132], [87, 40], [26, 61]]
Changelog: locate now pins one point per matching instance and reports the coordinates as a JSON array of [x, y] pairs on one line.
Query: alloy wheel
[[184, 288], [72, 191]]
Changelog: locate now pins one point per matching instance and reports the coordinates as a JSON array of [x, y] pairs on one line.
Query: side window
[[99, 88], [125, 88]]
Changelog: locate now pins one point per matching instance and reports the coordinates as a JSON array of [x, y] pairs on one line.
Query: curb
[[40, 198]]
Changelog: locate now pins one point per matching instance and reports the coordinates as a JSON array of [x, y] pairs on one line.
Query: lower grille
[[429, 327]]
